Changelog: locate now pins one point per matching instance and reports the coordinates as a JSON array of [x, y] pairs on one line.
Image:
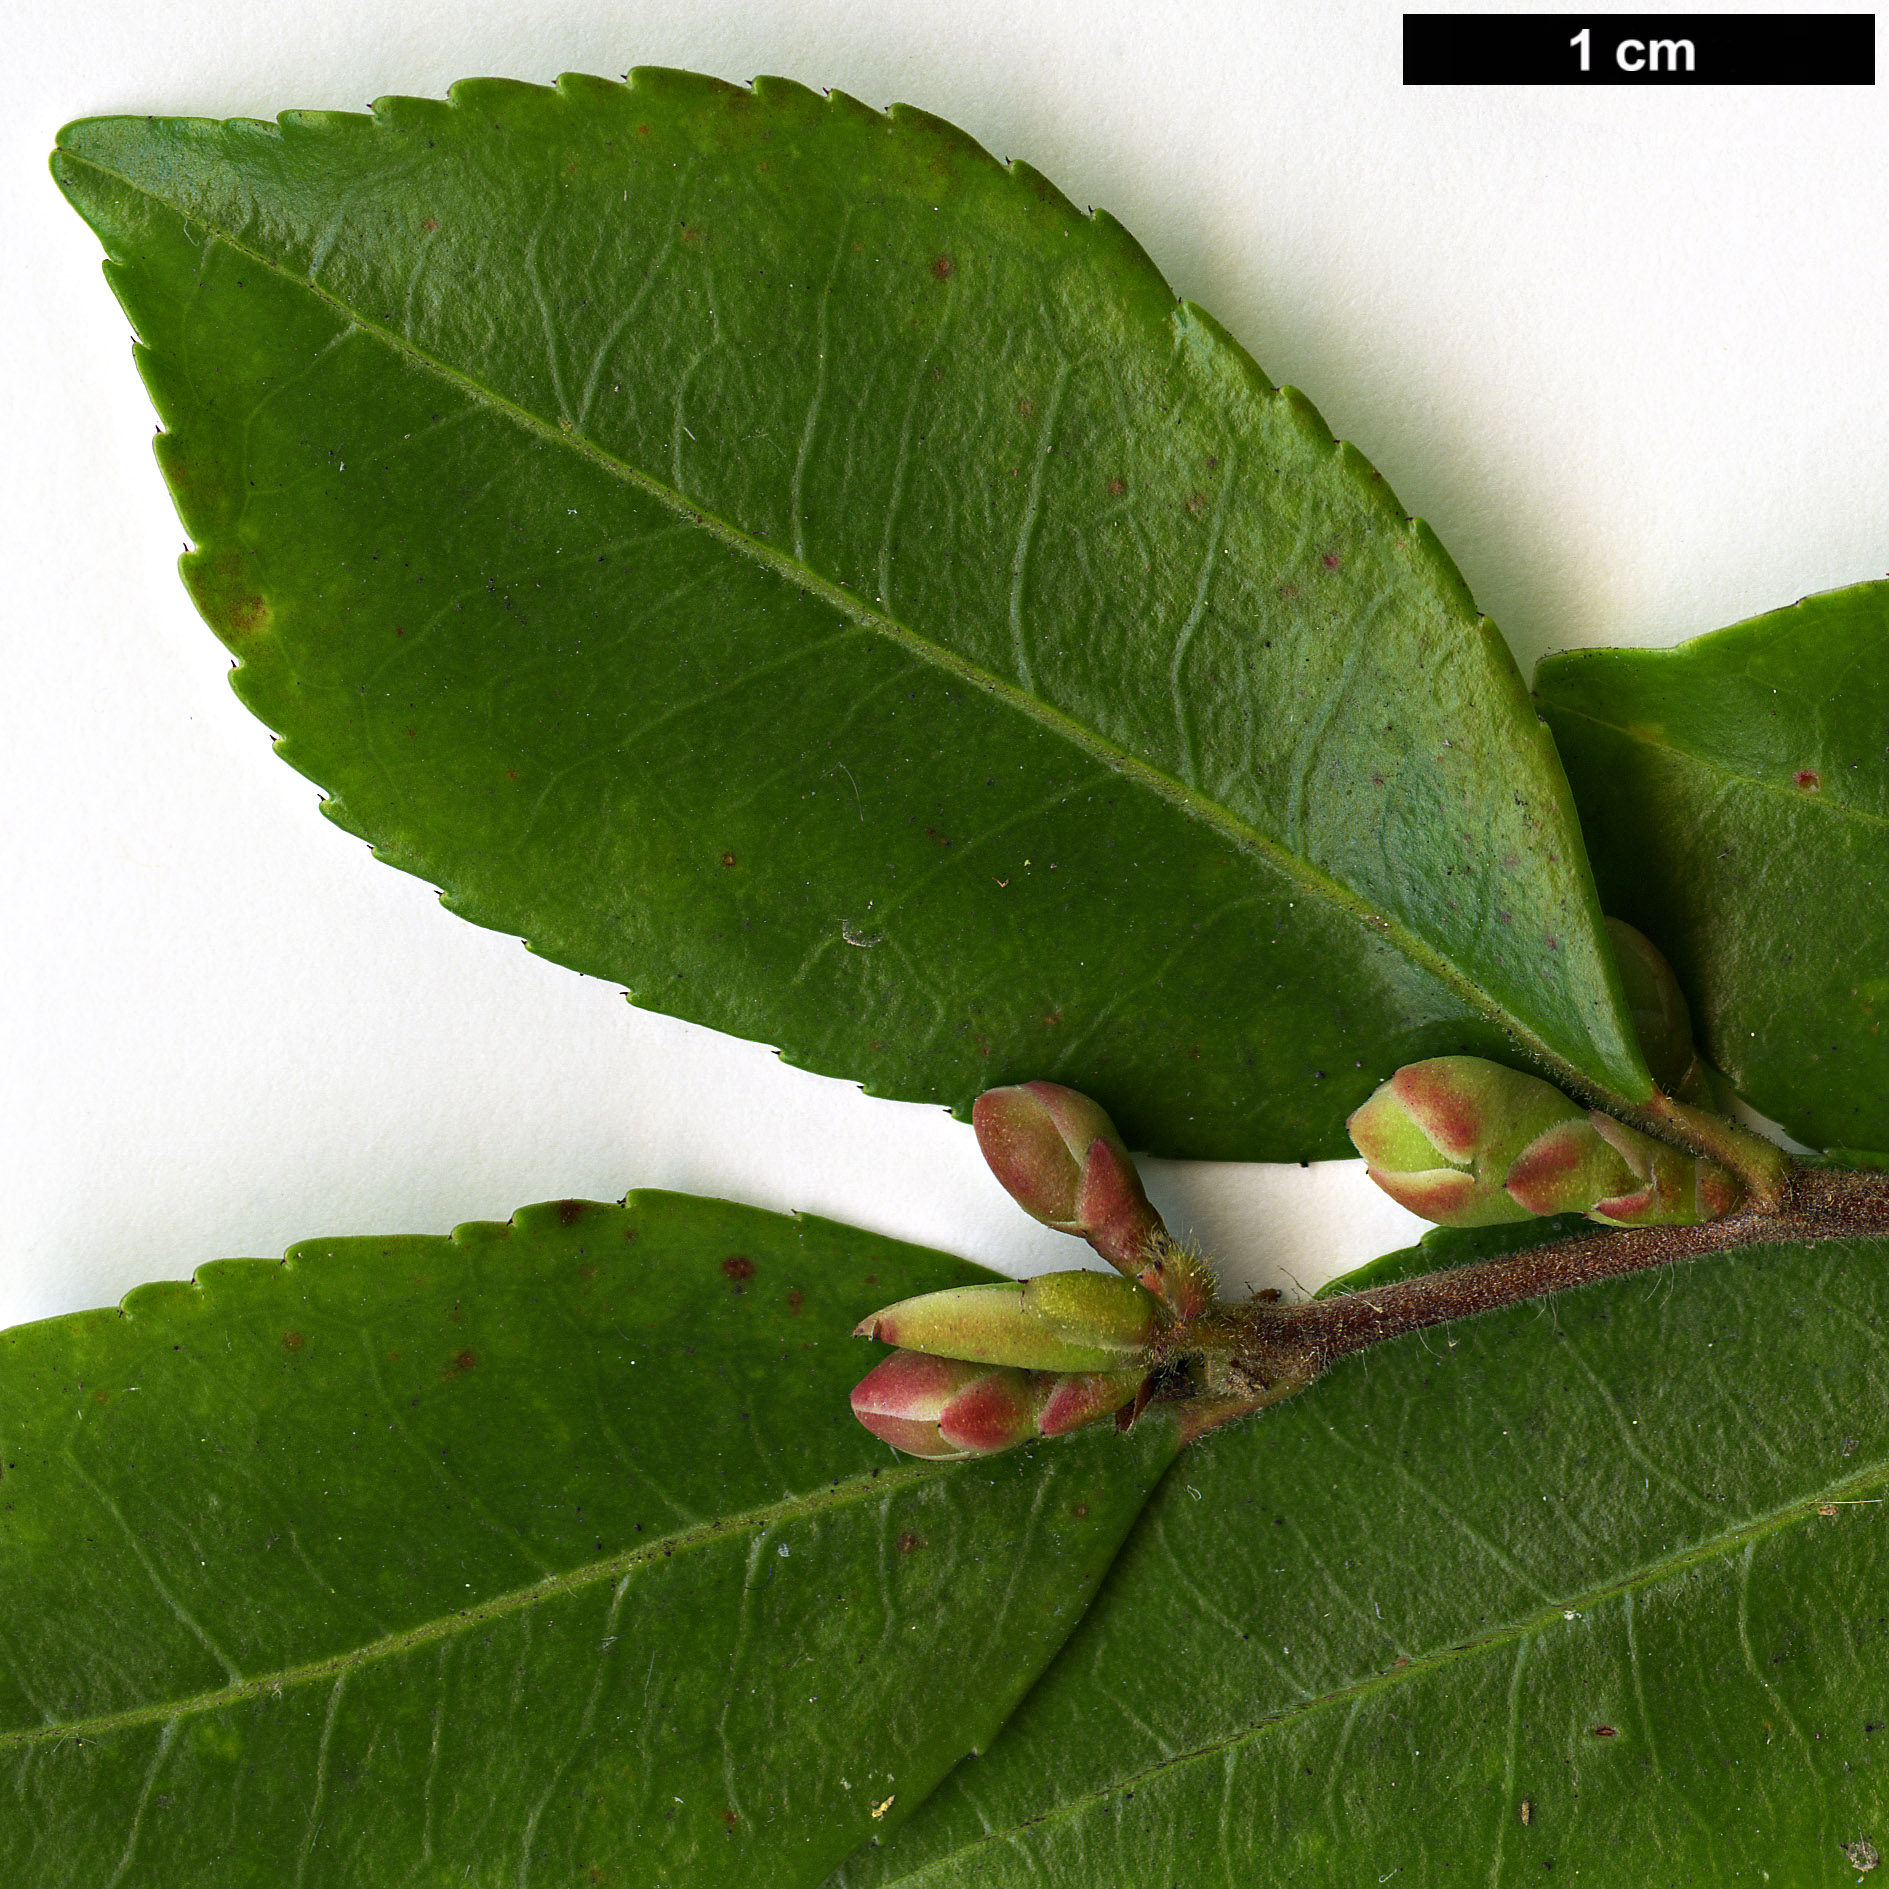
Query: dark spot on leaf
[[942, 268], [1080, 1510], [462, 1361], [910, 1543], [572, 1211], [729, 1818], [1052, 1019], [727, 859], [1330, 560], [736, 1267], [795, 1300], [1809, 779], [932, 833], [1605, 1731], [293, 1341]]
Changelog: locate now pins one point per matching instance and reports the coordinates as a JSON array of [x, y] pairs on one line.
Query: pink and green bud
[[1062, 1321], [1063, 1163], [948, 1408], [1440, 1137], [1467, 1143], [1669, 1188], [1075, 1398], [945, 1407]]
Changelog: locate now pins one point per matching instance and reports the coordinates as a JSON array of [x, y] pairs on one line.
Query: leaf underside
[[1576, 1557], [546, 1553], [1735, 793], [773, 555]]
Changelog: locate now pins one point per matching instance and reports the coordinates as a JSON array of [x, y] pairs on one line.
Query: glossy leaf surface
[[1572, 1556], [1735, 793], [546, 1553], [775, 556]]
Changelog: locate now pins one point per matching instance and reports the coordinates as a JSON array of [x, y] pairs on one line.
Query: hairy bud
[[1063, 1163], [948, 1408], [1468, 1143], [1062, 1321]]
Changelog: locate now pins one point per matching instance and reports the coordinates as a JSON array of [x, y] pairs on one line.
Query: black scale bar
[[1639, 49]]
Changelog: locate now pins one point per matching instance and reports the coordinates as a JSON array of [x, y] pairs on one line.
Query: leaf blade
[[1734, 794], [351, 1582], [1341, 1709], [1238, 776]]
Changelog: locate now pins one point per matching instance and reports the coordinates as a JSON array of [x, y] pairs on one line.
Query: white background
[[1624, 348]]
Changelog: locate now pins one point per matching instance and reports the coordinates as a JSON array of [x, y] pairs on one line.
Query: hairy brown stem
[[1270, 1351]]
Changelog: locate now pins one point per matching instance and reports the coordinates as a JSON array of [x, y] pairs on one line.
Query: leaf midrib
[[1835, 809], [1774, 1522], [1209, 813], [498, 1607]]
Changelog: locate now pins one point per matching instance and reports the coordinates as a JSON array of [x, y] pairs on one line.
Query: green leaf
[[546, 1553], [771, 554], [1570, 1554], [1735, 793]]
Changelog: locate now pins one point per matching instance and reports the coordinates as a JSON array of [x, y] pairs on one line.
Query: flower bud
[[1671, 1188], [1441, 1135], [1073, 1399], [1062, 1321], [1063, 1163], [948, 1408], [945, 1407], [1468, 1143]]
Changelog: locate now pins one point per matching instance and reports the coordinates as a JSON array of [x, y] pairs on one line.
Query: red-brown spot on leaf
[[736, 1266], [1080, 1511], [460, 1363], [293, 1341], [727, 859], [1808, 779], [429, 224], [729, 1818], [1605, 1731], [1116, 487], [795, 1300], [942, 268], [572, 1211], [1330, 560], [910, 1543]]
